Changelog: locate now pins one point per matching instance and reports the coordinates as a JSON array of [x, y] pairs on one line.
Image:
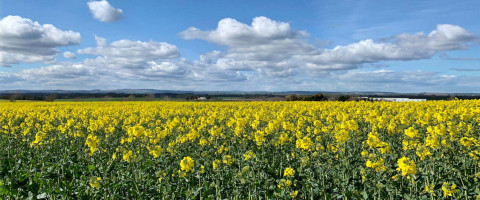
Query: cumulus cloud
[[69, 55], [401, 47], [263, 55], [103, 11], [444, 37], [231, 32], [133, 49], [122, 63], [265, 45], [61, 71], [120, 60], [399, 81], [131, 54], [9, 78], [23, 40], [275, 48], [405, 81]]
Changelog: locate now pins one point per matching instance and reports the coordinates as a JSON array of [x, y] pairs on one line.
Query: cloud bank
[[27, 41], [263, 55]]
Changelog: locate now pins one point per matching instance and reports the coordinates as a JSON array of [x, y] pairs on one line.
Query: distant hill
[[185, 94]]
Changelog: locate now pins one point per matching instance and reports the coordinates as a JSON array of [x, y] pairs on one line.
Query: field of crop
[[253, 150]]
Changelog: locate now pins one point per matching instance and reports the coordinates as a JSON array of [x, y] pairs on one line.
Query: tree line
[[320, 97]]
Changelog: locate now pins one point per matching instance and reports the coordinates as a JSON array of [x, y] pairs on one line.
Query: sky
[[241, 45]]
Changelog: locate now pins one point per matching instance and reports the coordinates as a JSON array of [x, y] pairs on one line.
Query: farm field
[[240, 150]]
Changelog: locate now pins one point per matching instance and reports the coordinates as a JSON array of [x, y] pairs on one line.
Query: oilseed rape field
[[240, 150]]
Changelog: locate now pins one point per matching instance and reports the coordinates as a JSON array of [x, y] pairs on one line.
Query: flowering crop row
[[253, 150]]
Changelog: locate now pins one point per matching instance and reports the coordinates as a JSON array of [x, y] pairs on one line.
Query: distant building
[[398, 99], [201, 98]]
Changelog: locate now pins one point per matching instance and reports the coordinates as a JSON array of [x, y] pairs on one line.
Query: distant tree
[[343, 98], [291, 97], [106, 98], [149, 97], [191, 97], [166, 98], [51, 98], [452, 97], [319, 97], [208, 97], [14, 97], [305, 98], [130, 98]]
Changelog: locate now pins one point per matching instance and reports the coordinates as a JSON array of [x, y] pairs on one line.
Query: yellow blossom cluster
[[236, 149]]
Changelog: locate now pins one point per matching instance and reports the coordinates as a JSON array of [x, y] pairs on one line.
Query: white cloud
[[9, 78], [130, 54], [101, 42], [399, 81], [400, 47], [58, 72], [133, 49], [347, 57], [275, 48], [266, 45], [444, 37], [69, 55], [103, 11], [119, 61], [231, 32], [23, 40], [265, 55]]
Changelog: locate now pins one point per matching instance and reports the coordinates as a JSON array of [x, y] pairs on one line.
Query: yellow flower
[[227, 160], [249, 155], [294, 194], [475, 155], [430, 189], [38, 138], [449, 190], [364, 153], [289, 172], [423, 152], [95, 182], [216, 164], [156, 151], [411, 132], [202, 142], [432, 141], [127, 156], [469, 142], [92, 142], [305, 143], [406, 166], [378, 165], [284, 184], [187, 164], [342, 136]]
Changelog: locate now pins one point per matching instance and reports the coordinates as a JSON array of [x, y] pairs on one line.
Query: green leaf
[[42, 196], [365, 195]]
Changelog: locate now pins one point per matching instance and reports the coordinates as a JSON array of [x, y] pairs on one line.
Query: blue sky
[[362, 45]]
